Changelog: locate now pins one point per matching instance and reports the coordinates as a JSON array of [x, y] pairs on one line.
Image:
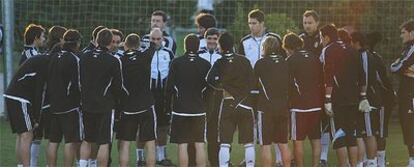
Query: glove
[[328, 109], [364, 106]]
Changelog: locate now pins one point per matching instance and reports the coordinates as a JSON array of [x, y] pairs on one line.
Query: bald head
[[156, 37]]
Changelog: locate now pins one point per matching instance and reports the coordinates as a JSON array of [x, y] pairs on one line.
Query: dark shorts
[[43, 130], [345, 123], [19, 113], [382, 117], [367, 124], [272, 128], [163, 116], [144, 123], [232, 118], [68, 125], [305, 124], [188, 129], [99, 127], [406, 114]]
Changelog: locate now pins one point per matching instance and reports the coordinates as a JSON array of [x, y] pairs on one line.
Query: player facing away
[[404, 67], [186, 84], [137, 109], [102, 84], [233, 75], [305, 97], [24, 99], [345, 93], [272, 72], [64, 96], [386, 96]]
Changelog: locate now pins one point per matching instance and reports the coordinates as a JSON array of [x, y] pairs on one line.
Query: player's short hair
[[96, 30], [205, 20], [191, 43], [271, 46], [344, 36], [312, 13], [226, 41], [330, 31], [160, 13], [32, 32], [292, 41], [132, 41], [408, 25], [118, 33], [373, 38], [257, 14], [55, 35], [359, 37], [104, 37], [71, 39], [212, 31]]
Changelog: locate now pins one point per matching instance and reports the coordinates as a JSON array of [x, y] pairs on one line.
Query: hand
[[328, 109], [364, 106]]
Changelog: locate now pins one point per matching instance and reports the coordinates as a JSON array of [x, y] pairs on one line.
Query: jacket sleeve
[[149, 53], [403, 63], [328, 67], [169, 88], [214, 76], [241, 49], [118, 87]]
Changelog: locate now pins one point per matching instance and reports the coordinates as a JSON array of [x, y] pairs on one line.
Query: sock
[[20, 165], [411, 164], [93, 163], [249, 155], [325, 141], [83, 163], [34, 153], [372, 163], [381, 158], [160, 153], [277, 154], [224, 155], [140, 154], [77, 163], [360, 164]]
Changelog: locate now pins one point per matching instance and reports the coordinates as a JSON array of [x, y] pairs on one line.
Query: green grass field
[[397, 154]]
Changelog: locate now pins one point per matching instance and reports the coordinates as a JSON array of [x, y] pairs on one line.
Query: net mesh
[[383, 16]]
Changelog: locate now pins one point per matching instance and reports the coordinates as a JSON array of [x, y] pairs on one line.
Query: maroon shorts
[[305, 124]]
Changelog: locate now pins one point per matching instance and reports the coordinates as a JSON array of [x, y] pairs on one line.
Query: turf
[[397, 154]]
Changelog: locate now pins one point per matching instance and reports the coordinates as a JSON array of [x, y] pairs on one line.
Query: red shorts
[[305, 124]]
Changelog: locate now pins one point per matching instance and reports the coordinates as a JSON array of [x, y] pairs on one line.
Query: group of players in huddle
[[325, 84]]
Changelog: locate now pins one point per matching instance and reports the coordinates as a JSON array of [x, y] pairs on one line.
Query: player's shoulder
[[246, 37], [274, 35]]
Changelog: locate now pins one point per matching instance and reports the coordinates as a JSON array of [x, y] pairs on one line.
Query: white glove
[[364, 106], [328, 109]]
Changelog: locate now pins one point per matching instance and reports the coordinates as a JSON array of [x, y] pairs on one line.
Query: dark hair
[[118, 33], [359, 37], [71, 39], [257, 14], [330, 31], [271, 46], [206, 20], [160, 13], [344, 36], [292, 41], [408, 25], [32, 32], [211, 31], [55, 35], [372, 39], [104, 37], [96, 30], [191, 43], [226, 41], [132, 41], [312, 13]]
